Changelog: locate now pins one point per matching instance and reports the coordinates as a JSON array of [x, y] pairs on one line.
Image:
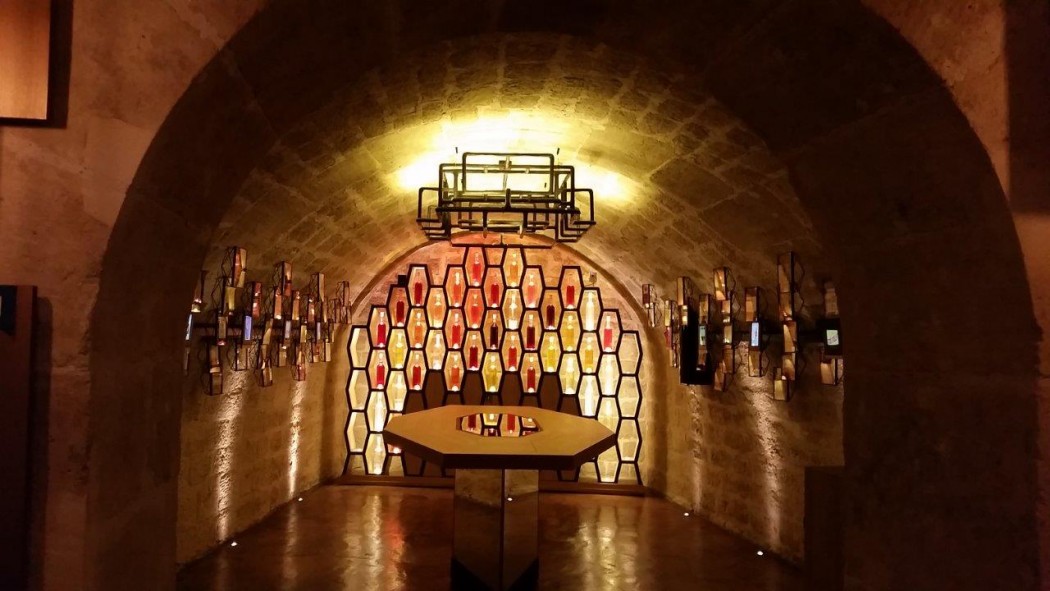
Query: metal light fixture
[[725, 287], [524, 193], [789, 277]]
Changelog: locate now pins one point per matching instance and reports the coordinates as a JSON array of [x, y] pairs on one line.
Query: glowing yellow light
[[511, 131]]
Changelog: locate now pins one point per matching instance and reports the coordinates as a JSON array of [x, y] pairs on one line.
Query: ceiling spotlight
[[760, 553], [233, 544]]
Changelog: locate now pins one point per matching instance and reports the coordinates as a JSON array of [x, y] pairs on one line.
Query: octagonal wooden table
[[496, 509]]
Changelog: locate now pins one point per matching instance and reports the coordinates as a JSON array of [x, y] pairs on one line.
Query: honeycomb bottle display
[[495, 327]]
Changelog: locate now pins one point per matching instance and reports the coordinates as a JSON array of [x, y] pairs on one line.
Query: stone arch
[[844, 102]]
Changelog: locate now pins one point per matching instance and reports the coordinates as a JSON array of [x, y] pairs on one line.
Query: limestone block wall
[[251, 449]]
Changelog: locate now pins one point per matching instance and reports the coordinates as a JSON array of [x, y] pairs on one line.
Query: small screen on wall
[[831, 337], [756, 328], [703, 335]]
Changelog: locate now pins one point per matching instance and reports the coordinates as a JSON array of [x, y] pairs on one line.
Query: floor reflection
[[375, 538]]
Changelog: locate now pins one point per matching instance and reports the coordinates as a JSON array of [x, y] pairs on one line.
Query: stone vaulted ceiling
[[681, 184]]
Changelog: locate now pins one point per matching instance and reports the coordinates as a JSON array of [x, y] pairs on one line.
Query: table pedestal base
[[495, 529]]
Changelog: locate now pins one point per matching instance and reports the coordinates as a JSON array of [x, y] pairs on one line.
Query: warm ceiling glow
[[512, 131]]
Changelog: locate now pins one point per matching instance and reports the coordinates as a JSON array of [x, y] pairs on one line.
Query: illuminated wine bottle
[[570, 296], [417, 377], [381, 330], [454, 374], [494, 295], [550, 354], [475, 311], [569, 333], [417, 293], [512, 357], [531, 293], [493, 334], [550, 317], [476, 267], [472, 353], [607, 335], [588, 356], [530, 335], [492, 374], [457, 290], [530, 379], [457, 334], [380, 375], [417, 330]]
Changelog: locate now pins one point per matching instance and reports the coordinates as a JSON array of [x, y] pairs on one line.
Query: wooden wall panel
[[25, 39]]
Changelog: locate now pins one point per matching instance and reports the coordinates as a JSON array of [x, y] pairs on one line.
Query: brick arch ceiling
[[898, 187], [681, 184]]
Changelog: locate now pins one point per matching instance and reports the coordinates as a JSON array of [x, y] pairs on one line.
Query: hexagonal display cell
[[532, 287], [376, 413], [416, 371], [398, 348], [358, 389], [589, 353], [609, 331], [608, 375], [570, 330], [511, 351], [378, 370], [456, 329], [551, 353], [357, 432], [629, 395], [551, 309], [569, 374], [473, 350], [590, 309], [608, 464], [359, 347], [375, 454], [435, 349], [571, 286], [628, 439], [630, 352], [418, 284], [396, 390], [530, 373], [492, 374], [513, 266], [475, 308], [455, 286], [493, 288], [589, 396], [493, 329], [454, 371], [475, 262], [379, 328], [513, 309], [417, 328], [608, 412], [437, 307]]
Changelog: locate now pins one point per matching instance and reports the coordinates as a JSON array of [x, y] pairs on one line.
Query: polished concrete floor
[[379, 538]]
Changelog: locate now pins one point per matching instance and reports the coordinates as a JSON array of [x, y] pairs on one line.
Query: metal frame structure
[[510, 192]]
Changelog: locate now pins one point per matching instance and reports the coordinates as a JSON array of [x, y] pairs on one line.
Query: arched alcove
[[901, 195]]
